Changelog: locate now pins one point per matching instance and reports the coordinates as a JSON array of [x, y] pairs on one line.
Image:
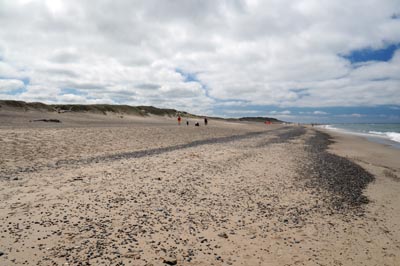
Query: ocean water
[[382, 133]]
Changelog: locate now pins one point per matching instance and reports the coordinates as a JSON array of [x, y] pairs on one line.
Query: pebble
[[170, 261], [343, 178], [223, 235]]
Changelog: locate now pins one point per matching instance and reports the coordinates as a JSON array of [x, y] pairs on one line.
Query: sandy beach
[[111, 190]]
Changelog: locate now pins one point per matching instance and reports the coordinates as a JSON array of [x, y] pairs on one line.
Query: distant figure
[[205, 121], [197, 124], [179, 120], [187, 122]]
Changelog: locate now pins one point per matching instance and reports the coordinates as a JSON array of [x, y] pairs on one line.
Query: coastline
[[361, 149], [377, 137]]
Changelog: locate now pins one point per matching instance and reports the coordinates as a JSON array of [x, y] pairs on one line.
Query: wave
[[394, 136], [328, 127], [389, 135]]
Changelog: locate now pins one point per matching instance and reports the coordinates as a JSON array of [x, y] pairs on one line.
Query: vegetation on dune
[[117, 109], [97, 108], [90, 108], [26, 106], [260, 119], [157, 111]]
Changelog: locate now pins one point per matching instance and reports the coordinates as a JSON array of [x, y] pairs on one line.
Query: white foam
[[328, 127], [394, 136]]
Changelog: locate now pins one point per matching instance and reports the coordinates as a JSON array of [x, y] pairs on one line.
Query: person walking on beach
[[179, 120], [187, 122], [205, 121]]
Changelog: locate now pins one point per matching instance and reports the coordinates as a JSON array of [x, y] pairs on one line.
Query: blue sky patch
[[192, 77], [26, 81], [301, 92], [188, 77], [395, 16], [369, 54], [15, 92]]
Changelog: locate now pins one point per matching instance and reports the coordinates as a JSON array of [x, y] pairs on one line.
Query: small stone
[[170, 261], [223, 235], [1, 253]]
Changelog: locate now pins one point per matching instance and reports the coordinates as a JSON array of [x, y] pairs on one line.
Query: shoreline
[[382, 139], [361, 149]]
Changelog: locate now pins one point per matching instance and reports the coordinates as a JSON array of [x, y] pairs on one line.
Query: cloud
[[8, 85], [285, 112], [354, 115], [320, 113], [63, 56], [265, 53], [242, 112]]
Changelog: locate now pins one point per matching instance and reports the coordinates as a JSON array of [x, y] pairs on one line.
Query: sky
[[322, 61]]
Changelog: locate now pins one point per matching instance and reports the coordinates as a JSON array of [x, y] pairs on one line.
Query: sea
[[382, 133]]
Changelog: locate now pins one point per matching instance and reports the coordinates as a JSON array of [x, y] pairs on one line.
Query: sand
[[106, 190]]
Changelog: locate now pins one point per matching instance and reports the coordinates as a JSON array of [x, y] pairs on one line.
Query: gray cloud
[[148, 86]]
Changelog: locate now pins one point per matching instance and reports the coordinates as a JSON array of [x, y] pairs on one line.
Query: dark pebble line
[[282, 135], [343, 178], [286, 135], [157, 151]]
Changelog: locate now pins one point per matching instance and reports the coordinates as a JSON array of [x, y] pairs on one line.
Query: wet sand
[[106, 190]]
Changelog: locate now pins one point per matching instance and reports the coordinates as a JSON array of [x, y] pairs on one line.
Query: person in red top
[[179, 120]]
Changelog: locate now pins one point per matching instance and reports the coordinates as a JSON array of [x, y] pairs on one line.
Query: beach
[[125, 190]]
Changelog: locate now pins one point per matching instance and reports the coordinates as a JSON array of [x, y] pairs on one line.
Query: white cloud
[[282, 53], [285, 112], [320, 113], [354, 115], [7, 85], [242, 112]]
